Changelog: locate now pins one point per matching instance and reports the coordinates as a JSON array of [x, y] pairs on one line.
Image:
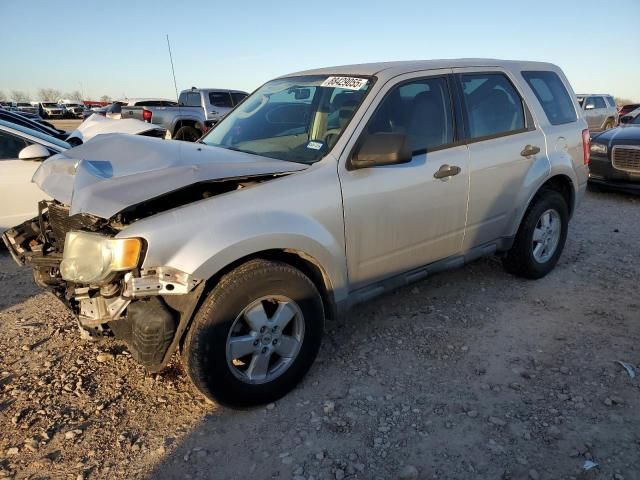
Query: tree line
[[46, 95]]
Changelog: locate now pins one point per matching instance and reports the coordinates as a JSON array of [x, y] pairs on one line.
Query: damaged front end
[[146, 307]]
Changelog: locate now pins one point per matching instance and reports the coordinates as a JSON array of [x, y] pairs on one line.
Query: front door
[[400, 217]]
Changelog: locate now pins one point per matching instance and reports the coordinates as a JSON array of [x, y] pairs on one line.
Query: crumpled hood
[[114, 171], [99, 125]]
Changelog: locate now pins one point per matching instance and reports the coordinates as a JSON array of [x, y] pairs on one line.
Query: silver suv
[[600, 111], [321, 190]]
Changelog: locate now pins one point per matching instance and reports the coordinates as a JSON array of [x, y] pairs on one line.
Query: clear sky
[[118, 48]]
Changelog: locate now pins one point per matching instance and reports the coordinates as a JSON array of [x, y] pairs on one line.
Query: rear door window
[[611, 101], [420, 109], [238, 97], [220, 99], [552, 95], [599, 102], [492, 104]]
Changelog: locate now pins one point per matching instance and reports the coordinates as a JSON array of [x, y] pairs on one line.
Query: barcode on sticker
[[348, 83]]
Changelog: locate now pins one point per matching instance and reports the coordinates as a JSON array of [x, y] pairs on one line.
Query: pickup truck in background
[[198, 110]]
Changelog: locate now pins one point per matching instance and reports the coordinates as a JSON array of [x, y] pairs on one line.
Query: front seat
[[427, 126]]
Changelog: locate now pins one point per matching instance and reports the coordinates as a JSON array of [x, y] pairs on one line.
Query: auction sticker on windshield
[[348, 83]]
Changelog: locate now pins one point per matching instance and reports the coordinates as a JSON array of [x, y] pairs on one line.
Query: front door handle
[[529, 150], [446, 171]]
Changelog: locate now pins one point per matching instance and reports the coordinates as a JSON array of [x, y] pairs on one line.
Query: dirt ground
[[469, 374], [68, 125]]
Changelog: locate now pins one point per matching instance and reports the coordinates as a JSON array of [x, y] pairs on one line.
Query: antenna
[[175, 85]]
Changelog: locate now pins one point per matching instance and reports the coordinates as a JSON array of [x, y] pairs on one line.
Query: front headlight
[[92, 258], [599, 148]]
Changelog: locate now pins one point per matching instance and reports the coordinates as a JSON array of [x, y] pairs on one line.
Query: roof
[[593, 95], [392, 69]]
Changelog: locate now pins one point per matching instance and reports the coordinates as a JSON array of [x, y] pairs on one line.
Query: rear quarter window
[[552, 95]]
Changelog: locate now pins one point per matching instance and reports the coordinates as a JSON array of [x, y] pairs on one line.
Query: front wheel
[[187, 134], [540, 238], [256, 334]]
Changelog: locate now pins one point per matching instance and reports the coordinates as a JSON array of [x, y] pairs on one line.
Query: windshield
[[50, 105], [24, 105], [297, 119]]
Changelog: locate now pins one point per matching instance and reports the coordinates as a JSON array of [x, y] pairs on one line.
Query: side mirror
[[589, 106], [34, 152], [626, 119], [381, 149]]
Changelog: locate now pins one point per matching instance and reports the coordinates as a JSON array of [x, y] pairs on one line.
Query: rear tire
[[540, 238], [187, 134], [609, 124], [231, 351]]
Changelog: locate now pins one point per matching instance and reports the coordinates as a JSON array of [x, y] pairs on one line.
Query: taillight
[[146, 115], [586, 146]]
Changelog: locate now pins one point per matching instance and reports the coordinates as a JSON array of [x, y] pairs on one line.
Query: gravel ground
[[470, 374]]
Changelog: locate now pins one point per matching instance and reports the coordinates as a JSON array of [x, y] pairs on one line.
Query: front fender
[[301, 212]]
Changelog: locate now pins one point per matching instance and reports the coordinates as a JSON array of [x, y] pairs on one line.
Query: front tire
[[256, 334], [540, 238], [187, 134]]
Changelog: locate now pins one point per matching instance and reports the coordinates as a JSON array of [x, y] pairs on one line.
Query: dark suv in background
[[599, 110]]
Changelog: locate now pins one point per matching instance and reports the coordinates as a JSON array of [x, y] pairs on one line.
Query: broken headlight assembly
[[91, 258]]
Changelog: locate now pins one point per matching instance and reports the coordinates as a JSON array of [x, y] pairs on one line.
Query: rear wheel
[[541, 236], [256, 334], [187, 134], [609, 124]]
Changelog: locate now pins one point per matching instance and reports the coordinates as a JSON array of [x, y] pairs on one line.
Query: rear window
[[553, 96], [190, 99]]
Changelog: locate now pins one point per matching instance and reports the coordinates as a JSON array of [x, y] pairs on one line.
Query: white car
[[97, 125], [22, 150]]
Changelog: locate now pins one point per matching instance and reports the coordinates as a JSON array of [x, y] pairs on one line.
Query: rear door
[[503, 145], [221, 104], [19, 197], [399, 217], [595, 111]]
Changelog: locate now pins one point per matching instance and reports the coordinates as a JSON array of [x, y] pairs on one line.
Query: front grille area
[[60, 223], [626, 158]]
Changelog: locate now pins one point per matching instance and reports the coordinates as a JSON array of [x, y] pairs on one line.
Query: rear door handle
[[529, 150], [446, 171]]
